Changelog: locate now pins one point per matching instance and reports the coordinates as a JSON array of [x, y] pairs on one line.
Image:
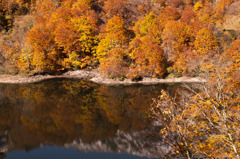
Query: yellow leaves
[[208, 67], [86, 61], [74, 58], [82, 4], [46, 8], [208, 102], [85, 27], [198, 5], [66, 63], [205, 42], [233, 55], [103, 46], [142, 26], [164, 131], [175, 36], [115, 25], [77, 62], [61, 32], [163, 94], [148, 56], [206, 121], [114, 37], [74, 32], [113, 64], [167, 112], [39, 60], [25, 59]]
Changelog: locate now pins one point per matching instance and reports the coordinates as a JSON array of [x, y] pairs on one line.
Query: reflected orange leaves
[[58, 110]]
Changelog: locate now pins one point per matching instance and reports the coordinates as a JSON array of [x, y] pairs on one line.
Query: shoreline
[[94, 76]]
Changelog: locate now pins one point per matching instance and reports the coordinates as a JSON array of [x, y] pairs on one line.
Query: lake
[[70, 118]]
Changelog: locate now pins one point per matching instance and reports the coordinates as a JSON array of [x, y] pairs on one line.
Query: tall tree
[[175, 38], [114, 36], [111, 45], [148, 56], [205, 42], [69, 36]]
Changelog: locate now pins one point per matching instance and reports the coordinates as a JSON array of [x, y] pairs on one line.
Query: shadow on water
[[77, 114]]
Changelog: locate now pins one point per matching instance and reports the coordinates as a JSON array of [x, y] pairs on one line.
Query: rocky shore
[[95, 77]]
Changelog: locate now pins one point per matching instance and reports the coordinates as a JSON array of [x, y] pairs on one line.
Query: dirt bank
[[95, 77]]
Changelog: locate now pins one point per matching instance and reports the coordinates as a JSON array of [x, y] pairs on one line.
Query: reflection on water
[[78, 114]]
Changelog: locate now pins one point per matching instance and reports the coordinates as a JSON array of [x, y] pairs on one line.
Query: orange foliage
[[110, 49], [233, 53], [113, 37], [143, 25], [170, 13], [46, 8], [71, 33], [64, 30], [148, 56], [204, 12], [220, 8], [205, 42], [188, 15], [113, 65], [174, 3], [115, 7], [175, 38], [40, 38]]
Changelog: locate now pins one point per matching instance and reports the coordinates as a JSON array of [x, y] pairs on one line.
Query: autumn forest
[[123, 38], [134, 39]]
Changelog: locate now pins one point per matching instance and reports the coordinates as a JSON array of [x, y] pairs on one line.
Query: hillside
[[123, 38]]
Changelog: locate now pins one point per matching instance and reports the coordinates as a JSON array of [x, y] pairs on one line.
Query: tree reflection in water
[[73, 112]]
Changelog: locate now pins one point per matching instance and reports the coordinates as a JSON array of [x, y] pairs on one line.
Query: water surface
[[67, 118]]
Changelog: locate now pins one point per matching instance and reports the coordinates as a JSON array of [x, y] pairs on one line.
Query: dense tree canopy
[[154, 37]]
